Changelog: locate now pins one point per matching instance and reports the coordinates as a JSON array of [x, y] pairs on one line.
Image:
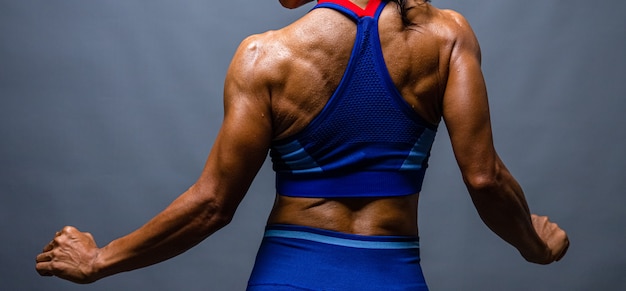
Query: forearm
[[501, 204], [183, 224]]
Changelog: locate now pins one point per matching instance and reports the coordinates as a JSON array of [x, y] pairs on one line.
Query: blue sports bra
[[367, 141]]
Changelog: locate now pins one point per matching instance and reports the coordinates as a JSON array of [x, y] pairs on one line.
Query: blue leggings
[[303, 258]]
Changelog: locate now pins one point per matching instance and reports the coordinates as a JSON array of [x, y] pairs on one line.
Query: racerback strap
[[350, 8]]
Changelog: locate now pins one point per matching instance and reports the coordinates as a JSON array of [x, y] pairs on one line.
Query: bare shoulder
[[259, 57], [451, 24], [290, 68], [453, 18], [457, 28]]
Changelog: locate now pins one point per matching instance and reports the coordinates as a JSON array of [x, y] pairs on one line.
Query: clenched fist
[[554, 238], [70, 256]]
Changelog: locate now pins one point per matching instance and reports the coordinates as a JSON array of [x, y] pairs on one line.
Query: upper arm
[[244, 138], [466, 109]]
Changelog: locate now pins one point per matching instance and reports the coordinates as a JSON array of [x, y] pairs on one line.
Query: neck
[[360, 3]]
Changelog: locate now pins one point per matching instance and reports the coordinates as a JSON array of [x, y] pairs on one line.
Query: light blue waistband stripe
[[342, 241]]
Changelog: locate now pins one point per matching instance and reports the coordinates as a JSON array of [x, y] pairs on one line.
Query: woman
[[347, 99]]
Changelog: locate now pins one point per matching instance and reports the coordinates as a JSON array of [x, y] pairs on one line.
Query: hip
[[304, 258]]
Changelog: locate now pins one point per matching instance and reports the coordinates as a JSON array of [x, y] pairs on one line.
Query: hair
[[403, 11]]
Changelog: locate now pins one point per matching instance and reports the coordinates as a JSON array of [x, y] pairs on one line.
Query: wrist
[[540, 254], [99, 267]]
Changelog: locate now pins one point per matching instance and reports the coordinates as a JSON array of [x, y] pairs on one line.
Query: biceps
[[466, 114], [237, 154], [242, 143]]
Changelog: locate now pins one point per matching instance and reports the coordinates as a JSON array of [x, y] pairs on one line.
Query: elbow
[[491, 185], [480, 182], [206, 219], [223, 217], [211, 213], [481, 185], [485, 178], [215, 215], [485, 192]]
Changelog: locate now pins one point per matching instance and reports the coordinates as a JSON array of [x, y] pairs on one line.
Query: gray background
[[109, 108]]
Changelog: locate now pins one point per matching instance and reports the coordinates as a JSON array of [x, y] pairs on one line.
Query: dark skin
[[277, 83]]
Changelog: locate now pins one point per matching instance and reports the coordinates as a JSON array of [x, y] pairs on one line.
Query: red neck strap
[[370, 9]]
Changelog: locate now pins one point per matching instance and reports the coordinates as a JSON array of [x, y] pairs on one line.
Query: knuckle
[[68, 229], [57, 241]]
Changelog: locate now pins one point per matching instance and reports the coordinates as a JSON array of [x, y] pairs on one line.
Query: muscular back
[[299, 67], [277, 83], [307, 59]]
